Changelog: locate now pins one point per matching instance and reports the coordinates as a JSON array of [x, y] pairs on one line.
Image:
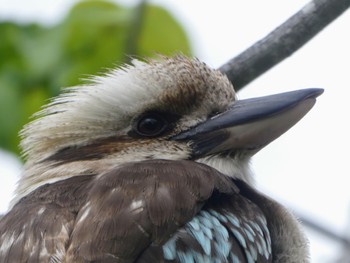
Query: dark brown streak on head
[[182, 100], [189, 91], [93, 151]]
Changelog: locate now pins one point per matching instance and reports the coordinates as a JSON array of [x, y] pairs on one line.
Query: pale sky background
[[307, 168]]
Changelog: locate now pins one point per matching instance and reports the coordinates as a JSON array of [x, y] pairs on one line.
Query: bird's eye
[[150, 125]]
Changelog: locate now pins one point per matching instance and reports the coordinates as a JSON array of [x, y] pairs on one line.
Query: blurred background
[[47, 45]]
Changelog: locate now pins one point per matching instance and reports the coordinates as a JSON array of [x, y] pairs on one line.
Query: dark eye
[[151, 125]]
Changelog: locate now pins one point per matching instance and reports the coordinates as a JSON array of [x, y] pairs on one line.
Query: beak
[[249, 125]]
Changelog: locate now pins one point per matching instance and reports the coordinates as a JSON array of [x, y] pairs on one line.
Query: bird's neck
[[36, 174], [237, 168]]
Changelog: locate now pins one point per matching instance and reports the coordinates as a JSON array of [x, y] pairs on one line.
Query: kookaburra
[[150, 163]]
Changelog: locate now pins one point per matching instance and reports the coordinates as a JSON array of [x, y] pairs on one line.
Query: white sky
[[306, 169]]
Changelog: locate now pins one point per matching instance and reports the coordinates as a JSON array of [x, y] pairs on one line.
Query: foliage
[[36, 61]]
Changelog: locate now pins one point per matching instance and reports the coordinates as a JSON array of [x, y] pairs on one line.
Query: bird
[[150, 162]]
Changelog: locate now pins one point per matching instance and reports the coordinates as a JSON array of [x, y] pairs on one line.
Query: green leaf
[[162, 34]]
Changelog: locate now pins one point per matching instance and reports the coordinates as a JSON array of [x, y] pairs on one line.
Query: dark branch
[[283, 41]]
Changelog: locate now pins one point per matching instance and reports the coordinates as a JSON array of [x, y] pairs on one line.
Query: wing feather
[[141, 204], [38, 227], [113, 217]]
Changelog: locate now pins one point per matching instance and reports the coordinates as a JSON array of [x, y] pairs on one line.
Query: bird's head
[[168, 108]]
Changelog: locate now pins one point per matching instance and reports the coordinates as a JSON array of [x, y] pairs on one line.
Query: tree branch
[[283, 41], [323, 230]]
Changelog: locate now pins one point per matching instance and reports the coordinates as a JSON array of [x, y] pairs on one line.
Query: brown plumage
[[115, 217]]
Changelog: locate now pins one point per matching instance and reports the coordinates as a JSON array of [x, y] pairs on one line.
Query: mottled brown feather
[[125, 215], [39, 225], [166, 195]]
